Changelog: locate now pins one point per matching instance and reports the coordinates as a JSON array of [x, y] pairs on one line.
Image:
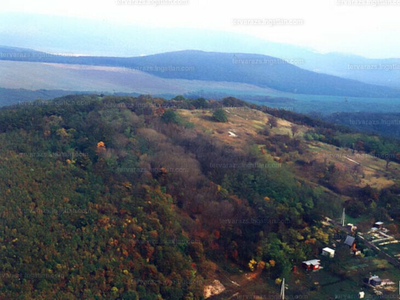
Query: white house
[[328, 252]]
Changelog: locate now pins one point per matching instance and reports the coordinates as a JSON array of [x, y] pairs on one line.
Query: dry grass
[[246, 123], [374, 169]]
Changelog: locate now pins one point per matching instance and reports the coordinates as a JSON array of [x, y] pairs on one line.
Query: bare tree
[[295, 129], [272, 121]]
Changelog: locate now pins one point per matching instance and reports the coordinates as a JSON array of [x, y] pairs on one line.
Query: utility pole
[[283, 287], [343, 217]]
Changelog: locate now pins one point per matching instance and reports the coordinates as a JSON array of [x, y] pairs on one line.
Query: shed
[[313, 264], [328, 252]]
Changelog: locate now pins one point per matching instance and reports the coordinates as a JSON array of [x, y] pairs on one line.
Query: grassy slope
[[245, 123]]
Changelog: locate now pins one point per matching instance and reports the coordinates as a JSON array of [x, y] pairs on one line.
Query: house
[[373, 280], [351, 227], [328, 252], [349, 240], [313, 264], [378, 225], [376, 281]]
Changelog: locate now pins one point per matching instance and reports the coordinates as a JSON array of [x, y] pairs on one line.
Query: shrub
[[170, 116], [219, 115]]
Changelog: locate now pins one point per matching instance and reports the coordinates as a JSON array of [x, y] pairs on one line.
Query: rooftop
[[327, 249], [312, 262], [349, 240]]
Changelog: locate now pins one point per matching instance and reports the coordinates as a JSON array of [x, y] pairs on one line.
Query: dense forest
[[106, 197], [386, 124]]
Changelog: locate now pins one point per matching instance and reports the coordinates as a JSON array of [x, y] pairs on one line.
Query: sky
[[370, 28]]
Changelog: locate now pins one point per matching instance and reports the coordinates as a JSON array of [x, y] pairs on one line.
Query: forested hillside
[[386, 124], [138, 198], [255, 69]]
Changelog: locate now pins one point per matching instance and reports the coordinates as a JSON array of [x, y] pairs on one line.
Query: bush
[[171, 116], [200, 103], [219, 115]]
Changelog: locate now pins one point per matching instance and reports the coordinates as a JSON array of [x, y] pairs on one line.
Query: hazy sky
[[365, 27]]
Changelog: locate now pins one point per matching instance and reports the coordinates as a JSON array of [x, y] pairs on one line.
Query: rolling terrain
[[68, 77], [259, 70], [138, 40]]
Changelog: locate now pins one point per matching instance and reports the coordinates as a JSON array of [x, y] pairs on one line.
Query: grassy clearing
[[246, 124]]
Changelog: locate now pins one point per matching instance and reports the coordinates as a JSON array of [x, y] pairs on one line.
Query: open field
[[51, 76], [245, 123], [372, 169], [34, 76]]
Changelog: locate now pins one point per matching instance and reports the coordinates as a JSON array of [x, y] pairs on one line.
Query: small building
[[328, 252], [351, 227], [376, 281], [373, 280], [378, 225], [349, 241], [313, 264]]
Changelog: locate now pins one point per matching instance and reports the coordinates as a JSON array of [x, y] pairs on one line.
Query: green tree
[[171, 116], [219, 115], [200, 103], [179, 98]]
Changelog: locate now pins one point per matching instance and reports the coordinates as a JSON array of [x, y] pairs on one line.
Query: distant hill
[[25, 81], [59, 35], [13, 96], [385, 124], [260, 70]]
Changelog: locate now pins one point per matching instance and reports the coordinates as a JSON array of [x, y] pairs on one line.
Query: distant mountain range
[[252, 69], [56, 34]]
